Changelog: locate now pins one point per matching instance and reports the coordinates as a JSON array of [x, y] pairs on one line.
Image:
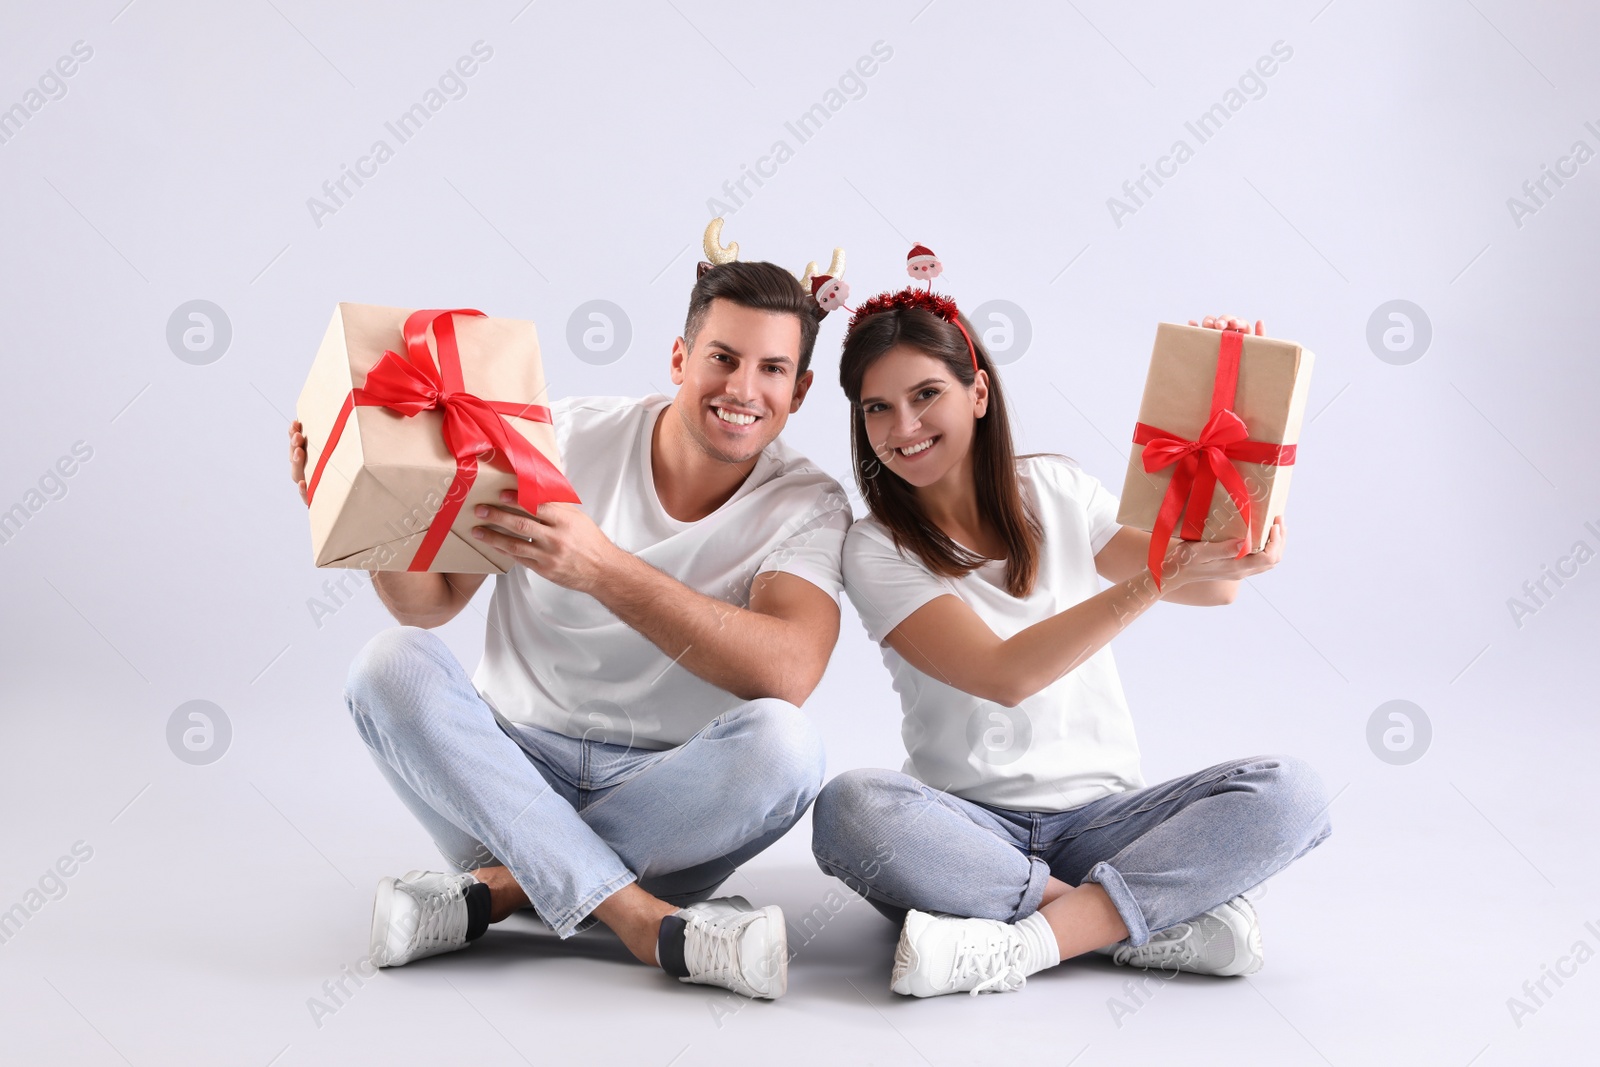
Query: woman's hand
[[1228, 322], [297, 456], [1211, 561]]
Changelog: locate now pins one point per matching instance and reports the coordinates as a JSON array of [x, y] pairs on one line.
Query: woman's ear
[[980, 394]]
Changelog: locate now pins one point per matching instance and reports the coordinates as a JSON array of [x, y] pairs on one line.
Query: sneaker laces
[[997, 961], [437, 923], [714, 952], [1175, 946]]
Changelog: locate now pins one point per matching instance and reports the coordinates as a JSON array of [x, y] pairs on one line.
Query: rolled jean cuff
[[577, 918], [1033, 892], [1110, 879]]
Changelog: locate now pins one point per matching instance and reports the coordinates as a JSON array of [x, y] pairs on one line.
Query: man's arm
[[425, 599], [777, 647]]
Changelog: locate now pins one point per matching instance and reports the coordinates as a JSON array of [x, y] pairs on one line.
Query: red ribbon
[[472, 426], [1200, 464]]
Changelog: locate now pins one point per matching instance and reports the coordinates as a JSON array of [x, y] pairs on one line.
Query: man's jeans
[[1163, 854], [577, 820]]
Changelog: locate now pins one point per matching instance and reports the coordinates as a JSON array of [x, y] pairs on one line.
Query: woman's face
[[919, 417]]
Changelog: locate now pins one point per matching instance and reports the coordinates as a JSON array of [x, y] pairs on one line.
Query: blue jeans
[[576, 820], [1163, 854]]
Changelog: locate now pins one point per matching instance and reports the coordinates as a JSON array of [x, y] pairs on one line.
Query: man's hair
[[761, 286]]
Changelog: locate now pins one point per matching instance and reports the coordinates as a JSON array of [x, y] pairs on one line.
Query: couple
[[634, 731]]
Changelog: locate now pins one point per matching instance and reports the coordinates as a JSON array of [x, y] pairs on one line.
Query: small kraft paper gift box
[[412, 419], [1216, 437]]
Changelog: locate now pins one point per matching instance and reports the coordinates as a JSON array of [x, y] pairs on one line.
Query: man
[[633, 732]]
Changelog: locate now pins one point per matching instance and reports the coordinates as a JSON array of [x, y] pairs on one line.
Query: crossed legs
[[532, 818], [1125, 866]]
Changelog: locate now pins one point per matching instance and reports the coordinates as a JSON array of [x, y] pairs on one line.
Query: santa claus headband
[[923, 266]]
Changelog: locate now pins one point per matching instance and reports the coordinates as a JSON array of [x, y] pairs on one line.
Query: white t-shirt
[[1068, 744], [561, 660]]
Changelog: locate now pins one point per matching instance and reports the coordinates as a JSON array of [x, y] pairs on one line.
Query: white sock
[[1036, 934]]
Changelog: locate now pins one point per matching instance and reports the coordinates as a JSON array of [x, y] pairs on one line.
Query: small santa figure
[[923, 265], [830, 292]]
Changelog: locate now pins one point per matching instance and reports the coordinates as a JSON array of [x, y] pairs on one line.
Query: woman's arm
[[1124, 557], [946, 639]]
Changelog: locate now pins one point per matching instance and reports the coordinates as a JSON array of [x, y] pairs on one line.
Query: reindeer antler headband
[[716, 255], [829, 290], [922, 265]]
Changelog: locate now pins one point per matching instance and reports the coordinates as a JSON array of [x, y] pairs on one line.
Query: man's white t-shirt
[[1068, 744], [560, 660]]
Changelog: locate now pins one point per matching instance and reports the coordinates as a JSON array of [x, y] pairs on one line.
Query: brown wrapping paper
[[1274, 381], [389, 474]]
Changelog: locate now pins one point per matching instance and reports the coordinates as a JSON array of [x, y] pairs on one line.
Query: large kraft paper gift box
[[1217, 432], [412, 419]]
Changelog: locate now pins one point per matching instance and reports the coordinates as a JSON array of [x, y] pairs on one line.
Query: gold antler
[[835, 269], [715, 253]]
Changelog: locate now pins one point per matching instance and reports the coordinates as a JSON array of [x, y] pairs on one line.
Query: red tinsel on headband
[[921, 300], [909, 297]]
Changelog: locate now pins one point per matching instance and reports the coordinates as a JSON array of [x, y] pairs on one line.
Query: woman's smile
[[917, 448]]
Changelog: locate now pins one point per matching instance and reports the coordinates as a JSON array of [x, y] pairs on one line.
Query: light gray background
[[174, 565]]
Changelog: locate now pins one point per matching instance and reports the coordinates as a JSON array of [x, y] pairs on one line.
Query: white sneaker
[[944, 954], [1223, 941], [728, 943], [421, 914], [724, 905]]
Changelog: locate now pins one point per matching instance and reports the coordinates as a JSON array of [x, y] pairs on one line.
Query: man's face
[[739, 385]]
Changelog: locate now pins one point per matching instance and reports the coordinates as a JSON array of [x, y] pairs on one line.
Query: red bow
[[1223, 441], [472, 426]]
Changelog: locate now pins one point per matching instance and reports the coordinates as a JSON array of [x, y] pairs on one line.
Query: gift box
[[412, 419], [1216, 437]]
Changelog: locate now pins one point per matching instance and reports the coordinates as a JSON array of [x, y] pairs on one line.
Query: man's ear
[[680, 354], [802, 385]]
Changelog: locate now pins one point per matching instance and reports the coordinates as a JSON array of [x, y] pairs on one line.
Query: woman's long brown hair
[[892, 499]]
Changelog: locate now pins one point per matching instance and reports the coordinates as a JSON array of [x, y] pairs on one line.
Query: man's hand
[[1211, 561], [559, 543], [297, 458]]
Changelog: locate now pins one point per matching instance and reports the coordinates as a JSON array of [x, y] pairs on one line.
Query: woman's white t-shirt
[[559, 659], [1068, 744]]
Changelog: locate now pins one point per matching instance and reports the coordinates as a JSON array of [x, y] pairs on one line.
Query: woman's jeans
[[576, 820], [1163, 854]]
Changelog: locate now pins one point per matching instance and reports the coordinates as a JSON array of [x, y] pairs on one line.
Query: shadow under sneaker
[[421, 914], [940, 954], [1224, 941], [727, 943]]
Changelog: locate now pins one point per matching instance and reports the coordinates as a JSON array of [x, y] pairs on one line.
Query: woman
[[1022, 832]]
